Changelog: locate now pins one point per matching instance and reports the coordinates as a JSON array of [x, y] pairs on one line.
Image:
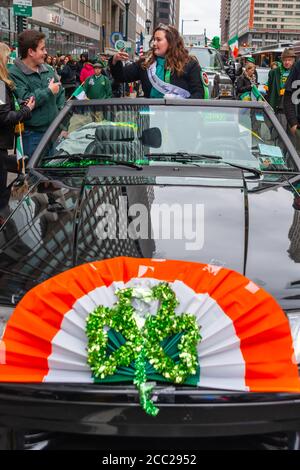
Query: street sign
[[22, 7], [114, 37]]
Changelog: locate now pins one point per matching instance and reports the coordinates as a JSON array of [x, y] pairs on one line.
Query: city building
[[194, 39], [260, 23], [144, 23], [224, 20], [71, 26], [144, 12], [167, 12], [35, 3], [114, 20], [74, 26]]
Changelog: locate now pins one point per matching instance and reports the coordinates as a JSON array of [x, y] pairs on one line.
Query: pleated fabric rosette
[[245, 343]]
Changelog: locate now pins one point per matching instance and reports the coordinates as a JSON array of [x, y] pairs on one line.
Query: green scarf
[[284, 74], [162, 74]]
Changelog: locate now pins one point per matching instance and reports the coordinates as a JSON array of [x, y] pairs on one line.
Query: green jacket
[[274, 91], [97, 88], [29, 83]]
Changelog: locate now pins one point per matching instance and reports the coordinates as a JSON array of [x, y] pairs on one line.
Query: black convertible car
[[195, 181]]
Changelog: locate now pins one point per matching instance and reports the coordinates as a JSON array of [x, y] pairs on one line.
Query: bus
[[269, 54]]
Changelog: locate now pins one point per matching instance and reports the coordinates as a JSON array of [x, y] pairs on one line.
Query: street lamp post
[[126, 3], [182, 21], [148, 24]]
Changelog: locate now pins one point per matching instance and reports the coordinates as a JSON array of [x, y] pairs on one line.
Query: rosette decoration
[[146, 320]]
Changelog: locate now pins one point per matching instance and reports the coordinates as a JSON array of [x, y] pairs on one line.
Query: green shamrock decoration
[[143, 343]]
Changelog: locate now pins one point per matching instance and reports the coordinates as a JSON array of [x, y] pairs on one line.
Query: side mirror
[[152, 137]]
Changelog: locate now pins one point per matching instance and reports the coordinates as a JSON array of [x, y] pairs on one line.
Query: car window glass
[[240, 135], [208, 58]]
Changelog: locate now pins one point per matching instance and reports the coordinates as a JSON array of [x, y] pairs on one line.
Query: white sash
[[167, 89]]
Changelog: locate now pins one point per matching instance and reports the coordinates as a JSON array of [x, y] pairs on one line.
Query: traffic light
[[21, 24]]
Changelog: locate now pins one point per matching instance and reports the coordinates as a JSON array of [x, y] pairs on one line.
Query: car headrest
[[115, 133]]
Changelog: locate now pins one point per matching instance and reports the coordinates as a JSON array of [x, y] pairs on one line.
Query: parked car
[[233, 160], [220, 84]]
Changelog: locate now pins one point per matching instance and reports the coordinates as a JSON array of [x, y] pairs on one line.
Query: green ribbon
[[144, 340]]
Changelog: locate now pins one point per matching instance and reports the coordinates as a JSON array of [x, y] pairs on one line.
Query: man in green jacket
[[33, 77], [98, 86], [276, 84]]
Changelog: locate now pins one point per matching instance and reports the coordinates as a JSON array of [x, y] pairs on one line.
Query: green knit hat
[[250, 59]]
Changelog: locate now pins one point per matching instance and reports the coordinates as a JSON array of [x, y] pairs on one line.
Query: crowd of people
[[37, 86], [282, 79]]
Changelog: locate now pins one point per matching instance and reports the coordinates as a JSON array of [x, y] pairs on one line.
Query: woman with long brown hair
[[245, 82], [11, 114], [166, 70]]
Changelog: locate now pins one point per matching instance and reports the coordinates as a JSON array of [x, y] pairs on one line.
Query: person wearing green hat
[[251, 60], [242, 66], [98, 86], [276, 84]]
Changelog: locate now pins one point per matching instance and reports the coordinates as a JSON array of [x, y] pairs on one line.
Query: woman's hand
[[30, 103], [123, 56], [294, 130]]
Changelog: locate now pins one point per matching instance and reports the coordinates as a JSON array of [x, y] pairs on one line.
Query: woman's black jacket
[[190, 79], [243, 85], [9, 118], [68, 75]]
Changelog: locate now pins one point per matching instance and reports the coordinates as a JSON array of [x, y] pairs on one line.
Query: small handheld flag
[[19, 140], [79, 93], [256, 93]]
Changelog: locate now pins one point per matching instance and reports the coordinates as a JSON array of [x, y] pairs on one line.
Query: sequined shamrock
[[143, 340]]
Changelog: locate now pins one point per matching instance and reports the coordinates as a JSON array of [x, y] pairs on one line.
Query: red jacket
[[86, 71]]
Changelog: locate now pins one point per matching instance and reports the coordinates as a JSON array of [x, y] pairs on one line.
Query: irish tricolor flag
[[20, 151], [246, 341], [233, 43], [79, 93], [19, 147]]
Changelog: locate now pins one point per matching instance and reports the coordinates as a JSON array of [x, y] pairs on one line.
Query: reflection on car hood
[[61, 224], [224, 78]]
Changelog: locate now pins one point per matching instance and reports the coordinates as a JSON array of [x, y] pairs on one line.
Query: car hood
[[69, 221]]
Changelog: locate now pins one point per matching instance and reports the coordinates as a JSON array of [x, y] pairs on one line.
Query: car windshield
[[209, 59], [99, 134]]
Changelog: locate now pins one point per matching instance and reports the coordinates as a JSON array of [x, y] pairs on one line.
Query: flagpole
[[23, 159]]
